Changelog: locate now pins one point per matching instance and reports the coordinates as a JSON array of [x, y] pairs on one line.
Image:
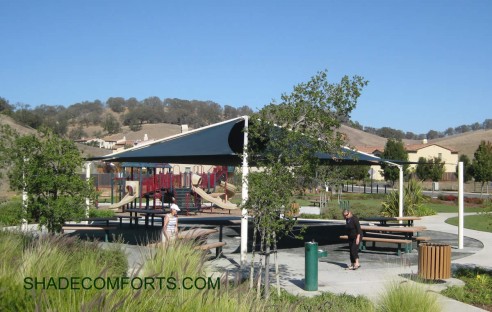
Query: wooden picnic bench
[[89, 227], [217, 245], [197, 233], [407, 231], [126, 216], [392, 235], [383, 221], [146, 213], [399, 241]]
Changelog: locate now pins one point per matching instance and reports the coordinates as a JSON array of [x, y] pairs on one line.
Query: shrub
[[473, 200], [407, 297], [447, 197], [413, 200], [11, 212], [476, 291], [100, 213]]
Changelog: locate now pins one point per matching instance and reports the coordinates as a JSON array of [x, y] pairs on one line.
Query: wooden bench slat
[[88, 228], [210, 245], [406, 242], [381, 240], [217, 245]]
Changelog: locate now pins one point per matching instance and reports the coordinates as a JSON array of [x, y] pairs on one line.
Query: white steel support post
[[400, 201], [244, 198], [460, 205], [87, 177], [24, 198]]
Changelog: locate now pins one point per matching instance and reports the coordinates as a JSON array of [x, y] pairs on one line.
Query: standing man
[[354, 233]]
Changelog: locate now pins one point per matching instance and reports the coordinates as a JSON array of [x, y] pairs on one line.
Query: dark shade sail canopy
[[217, 144]]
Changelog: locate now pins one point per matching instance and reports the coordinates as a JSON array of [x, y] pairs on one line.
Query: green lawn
[[479, 222], [447, 207]]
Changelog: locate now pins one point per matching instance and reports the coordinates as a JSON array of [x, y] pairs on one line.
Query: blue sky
[[428, 62]]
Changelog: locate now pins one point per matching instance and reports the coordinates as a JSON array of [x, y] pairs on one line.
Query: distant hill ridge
[[465, 143]]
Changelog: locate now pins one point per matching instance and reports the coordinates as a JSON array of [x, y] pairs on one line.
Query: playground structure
[[156, 186], [132, 189], [218, 199]]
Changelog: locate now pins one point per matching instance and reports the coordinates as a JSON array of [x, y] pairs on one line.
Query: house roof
[[370, 149], [416, 147], [411, 148]]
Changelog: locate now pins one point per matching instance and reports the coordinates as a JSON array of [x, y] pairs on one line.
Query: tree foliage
[[422, 170], [432, 169], [47, 167], [5, 107], [393, 150], [467, 168], [284, 138], [482, 163], [111, 124]]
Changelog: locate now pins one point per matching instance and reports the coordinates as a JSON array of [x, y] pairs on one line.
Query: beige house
[[426, 150], [415, 151]]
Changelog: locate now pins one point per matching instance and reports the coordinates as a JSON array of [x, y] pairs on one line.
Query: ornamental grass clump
[[45, 273], [407, 297]]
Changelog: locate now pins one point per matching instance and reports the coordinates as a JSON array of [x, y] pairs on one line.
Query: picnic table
[[407, 231], [72, 226], [196, 233], [94, 219], [383, 221], [402, 235], [147, 212]]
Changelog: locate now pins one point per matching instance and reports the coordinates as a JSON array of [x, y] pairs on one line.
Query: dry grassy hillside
[[6, 120], [358, 137], [466, 143]]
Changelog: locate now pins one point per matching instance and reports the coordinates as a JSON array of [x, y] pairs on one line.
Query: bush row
[[469, 200]]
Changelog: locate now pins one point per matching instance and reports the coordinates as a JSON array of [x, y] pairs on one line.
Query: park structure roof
[[218, 144]]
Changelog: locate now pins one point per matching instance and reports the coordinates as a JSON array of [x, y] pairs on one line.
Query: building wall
[[450, 159]]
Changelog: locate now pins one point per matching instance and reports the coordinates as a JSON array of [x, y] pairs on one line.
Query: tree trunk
[[267, 271], [252, 266], [258, 284], [277, 275]]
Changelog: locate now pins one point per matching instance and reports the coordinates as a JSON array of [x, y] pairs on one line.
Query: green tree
[[111, 124], [394, 150], [116, 104], [77, 133], [47, 167], [436, 169], [5, 107], [432, 134], [467, 168], [482, 163], [422, 170], [284, 139]]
